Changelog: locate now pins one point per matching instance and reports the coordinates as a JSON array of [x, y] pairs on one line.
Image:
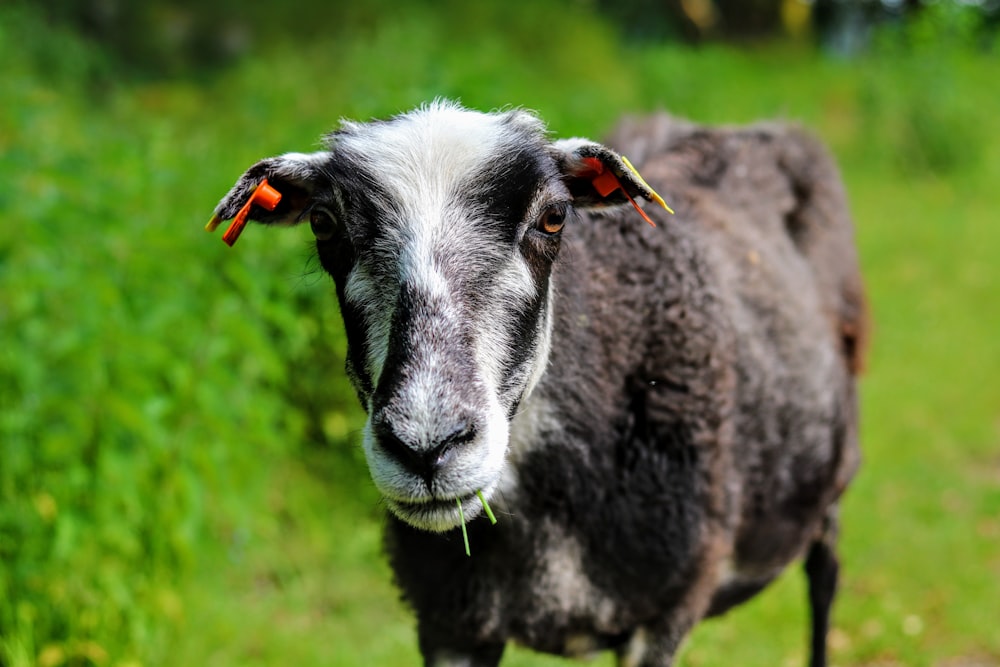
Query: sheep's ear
[[597, 176], [295, 176]]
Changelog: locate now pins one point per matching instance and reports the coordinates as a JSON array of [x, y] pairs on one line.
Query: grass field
[[180, 475]]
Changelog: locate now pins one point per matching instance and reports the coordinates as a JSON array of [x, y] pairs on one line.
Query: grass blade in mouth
[[461, 517], [486, 506], [465, 533]]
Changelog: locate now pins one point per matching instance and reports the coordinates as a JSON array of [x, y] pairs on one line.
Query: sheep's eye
[[322, 224], [552, 220]]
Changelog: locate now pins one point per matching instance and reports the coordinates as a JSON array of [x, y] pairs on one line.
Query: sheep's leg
[[645, 649], [484, 656], [822, 568], [655, 645]]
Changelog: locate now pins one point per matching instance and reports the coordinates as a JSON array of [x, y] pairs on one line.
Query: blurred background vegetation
[[181, 481]]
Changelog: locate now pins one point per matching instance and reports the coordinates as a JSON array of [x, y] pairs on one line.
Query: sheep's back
[[765, 210]]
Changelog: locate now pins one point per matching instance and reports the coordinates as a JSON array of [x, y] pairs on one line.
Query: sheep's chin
[[437, 516]]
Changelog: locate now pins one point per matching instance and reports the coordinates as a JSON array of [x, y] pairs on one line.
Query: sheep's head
[[440, 228]]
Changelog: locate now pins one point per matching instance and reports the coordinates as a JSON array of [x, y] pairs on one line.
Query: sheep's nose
[[423, 458]]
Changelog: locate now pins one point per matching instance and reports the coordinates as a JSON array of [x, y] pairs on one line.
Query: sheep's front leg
[[647, 649], [656, 645], [483, 656]]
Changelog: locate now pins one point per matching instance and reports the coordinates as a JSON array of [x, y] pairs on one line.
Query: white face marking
[[431, 240], [514, 288], [541, 360], [362, 291]]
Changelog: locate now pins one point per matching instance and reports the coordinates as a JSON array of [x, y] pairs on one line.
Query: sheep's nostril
[[410, 457], [423, 459], [461, 435], [439, 458], [440, 455]]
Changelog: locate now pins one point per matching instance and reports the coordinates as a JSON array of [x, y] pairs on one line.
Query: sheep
[[664, 417]]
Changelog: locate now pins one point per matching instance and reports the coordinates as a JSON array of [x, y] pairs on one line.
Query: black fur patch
[[505, 189]]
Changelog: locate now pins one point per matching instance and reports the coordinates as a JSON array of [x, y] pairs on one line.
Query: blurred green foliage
[[145, 381], [933, 124], [153, 37], [180, 473]]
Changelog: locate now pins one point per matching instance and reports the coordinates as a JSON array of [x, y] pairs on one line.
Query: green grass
[[180, 471]]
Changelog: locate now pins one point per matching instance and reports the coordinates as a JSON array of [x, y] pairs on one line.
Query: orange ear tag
[[264, 196], [605, 182]]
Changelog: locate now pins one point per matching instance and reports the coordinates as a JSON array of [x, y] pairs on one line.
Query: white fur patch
[[449, 659], [561, 585], [420, 156], [536, 417], [636, 650], [307, 162]]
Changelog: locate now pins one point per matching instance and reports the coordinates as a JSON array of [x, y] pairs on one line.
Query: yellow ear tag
[[656, 198]]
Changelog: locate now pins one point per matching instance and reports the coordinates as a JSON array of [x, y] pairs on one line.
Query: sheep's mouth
[[437, 515]]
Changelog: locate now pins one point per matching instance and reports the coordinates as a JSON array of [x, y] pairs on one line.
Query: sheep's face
[[439, 228]]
